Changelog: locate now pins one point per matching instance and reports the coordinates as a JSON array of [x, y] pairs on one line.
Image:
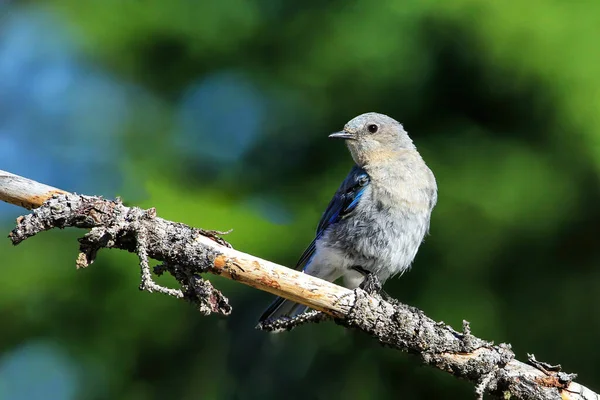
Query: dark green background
[[501, 98]]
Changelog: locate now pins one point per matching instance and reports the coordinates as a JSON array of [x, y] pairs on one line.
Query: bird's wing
[[343, 203]]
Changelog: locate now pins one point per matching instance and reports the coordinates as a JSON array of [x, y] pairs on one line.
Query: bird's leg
[[371, 284]]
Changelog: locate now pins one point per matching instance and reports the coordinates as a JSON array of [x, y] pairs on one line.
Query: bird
[[378, 217]]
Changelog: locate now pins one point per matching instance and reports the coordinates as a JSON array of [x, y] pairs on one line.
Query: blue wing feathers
[[354, 203], [345, 199], [343, 203]]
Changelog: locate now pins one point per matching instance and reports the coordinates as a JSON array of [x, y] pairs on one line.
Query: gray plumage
[[378, 217]]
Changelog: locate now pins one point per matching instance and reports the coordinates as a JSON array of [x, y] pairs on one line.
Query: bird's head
[[374, 136]]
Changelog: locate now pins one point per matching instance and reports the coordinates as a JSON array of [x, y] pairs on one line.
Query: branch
[[187, 252]]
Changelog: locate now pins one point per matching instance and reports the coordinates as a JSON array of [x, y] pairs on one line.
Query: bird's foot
[[371, 284]]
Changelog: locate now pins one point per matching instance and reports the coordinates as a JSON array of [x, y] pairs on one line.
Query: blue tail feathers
[[282, 308]]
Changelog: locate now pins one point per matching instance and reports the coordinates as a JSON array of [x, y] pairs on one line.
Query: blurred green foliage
[[502, 100]]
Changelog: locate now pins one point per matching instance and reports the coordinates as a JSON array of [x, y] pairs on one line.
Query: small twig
[[543, 366], [555, 377], [199, 292], [466, 327], [215, 235], [207, 298], [147, 283], [287, 324], [484, 384]]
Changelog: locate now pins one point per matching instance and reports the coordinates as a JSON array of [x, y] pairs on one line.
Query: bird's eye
[[372, 128]]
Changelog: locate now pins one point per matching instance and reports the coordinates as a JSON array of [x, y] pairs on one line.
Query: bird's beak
[[343, 135]]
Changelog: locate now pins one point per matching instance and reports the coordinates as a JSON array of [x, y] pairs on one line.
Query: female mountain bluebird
[[378, 217]]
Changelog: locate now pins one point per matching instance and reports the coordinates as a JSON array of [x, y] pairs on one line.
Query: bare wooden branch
[[188, 252], [24, 192]]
